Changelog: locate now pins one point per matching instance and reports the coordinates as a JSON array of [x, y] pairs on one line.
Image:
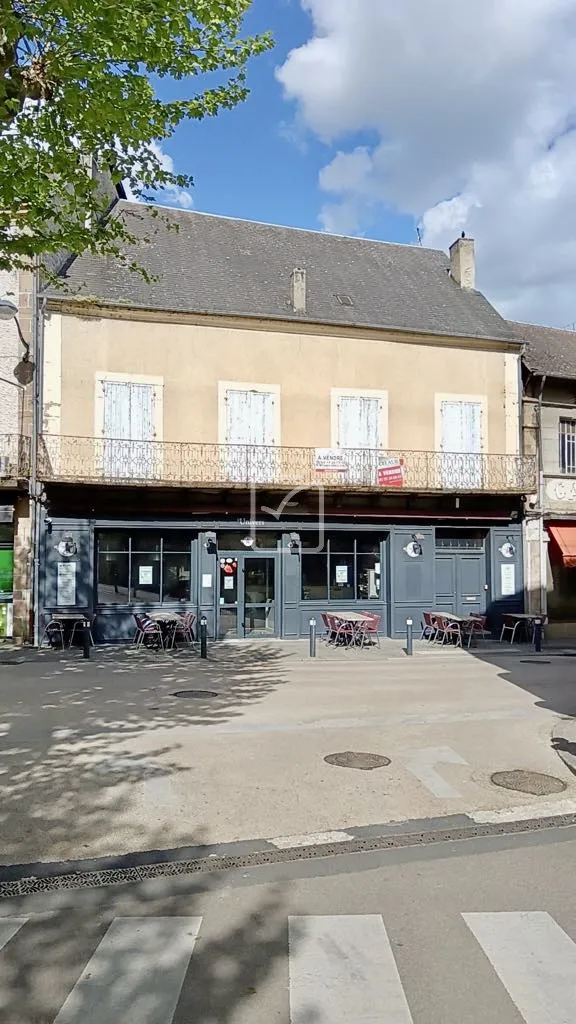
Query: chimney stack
[[463, 262], [298, 282]]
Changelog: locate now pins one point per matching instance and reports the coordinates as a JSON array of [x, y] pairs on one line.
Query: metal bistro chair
[[185, 629], [429, 627], [372, 627], [146, 628], [52, 630], [79, 624], [509, 626]]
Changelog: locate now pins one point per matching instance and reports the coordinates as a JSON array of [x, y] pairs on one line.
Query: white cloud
[[170, 196], [471, 106]]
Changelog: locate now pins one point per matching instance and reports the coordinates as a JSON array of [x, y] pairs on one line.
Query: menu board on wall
[[508, 580], [66, 587]]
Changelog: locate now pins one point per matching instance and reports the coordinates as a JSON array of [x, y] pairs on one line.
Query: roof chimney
[[298, 282], [463, 262]]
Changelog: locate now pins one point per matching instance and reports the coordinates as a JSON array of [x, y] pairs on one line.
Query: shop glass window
[[176, 577], [113, 577], [146, 542], [144, 567], [341, 577], [315, 577], [145, 576], [347, 570]]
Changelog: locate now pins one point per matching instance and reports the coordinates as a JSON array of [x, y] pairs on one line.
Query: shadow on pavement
[[67, 730], [230, 965]]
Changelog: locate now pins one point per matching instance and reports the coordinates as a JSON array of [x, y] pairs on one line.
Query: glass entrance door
[[247, 596]]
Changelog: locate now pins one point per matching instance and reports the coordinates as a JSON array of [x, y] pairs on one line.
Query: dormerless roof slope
[[549, 351], [219, 265]]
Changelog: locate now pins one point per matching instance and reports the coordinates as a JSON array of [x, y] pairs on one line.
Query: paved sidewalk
[[100, 758]]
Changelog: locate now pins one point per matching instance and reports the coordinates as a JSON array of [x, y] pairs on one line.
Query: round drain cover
[[529, 782], [355, 759], [195, 693]]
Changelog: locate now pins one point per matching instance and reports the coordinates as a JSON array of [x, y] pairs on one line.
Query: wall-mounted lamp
[[294, 543], [210, 543], [248, 541], [8, 311], [508, 548]]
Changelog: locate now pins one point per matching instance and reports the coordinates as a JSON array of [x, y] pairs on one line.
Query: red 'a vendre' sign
[[391, 473]]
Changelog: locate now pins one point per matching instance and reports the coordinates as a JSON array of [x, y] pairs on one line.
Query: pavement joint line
[[31, 884]]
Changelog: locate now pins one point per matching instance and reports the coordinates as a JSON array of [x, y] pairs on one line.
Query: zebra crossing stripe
[[535, 961], [342, 969], [135, 974], [8, 928]]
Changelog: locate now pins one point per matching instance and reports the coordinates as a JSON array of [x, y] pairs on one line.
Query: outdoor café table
[[355, 621], [512, 620], [72, 621], [168, 622]]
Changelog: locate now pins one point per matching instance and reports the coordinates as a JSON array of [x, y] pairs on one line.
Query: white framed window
[[130, 414], [461, 430], [249, 418], [360, 427], [567, 445]]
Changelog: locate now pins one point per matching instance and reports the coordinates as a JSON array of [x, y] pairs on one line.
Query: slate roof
[[549, 350], [223, 266]]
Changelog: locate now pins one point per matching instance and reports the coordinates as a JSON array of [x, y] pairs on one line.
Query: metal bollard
[[409, 638], [538, 635], [203, 637], [312, 638], [86, 640]]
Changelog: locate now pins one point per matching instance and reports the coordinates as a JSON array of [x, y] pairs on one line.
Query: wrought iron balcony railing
[[14, 458], [182, 464]]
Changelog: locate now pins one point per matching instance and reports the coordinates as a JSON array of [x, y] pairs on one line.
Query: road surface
[[462, 932]]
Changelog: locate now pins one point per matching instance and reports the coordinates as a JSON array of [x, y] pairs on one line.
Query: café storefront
[[269, 578]]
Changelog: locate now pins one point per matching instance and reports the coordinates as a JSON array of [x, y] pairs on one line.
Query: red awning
[[565, 537]]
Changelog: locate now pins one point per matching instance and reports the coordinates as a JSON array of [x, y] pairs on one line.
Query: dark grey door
[[247, 599], [460, 583]]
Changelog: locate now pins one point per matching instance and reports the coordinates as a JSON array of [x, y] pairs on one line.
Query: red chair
[[185, 628], [147, 629], [372, 625]]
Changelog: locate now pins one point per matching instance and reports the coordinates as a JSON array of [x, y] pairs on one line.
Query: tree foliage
[[77, 93]]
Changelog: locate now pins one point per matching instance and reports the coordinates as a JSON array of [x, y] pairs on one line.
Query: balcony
[[86, 460], [14, 459]]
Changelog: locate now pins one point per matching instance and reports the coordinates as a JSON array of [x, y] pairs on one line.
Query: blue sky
[[247, 163]]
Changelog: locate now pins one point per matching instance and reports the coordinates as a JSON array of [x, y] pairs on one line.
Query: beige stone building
[[549, 426], [336, 419]]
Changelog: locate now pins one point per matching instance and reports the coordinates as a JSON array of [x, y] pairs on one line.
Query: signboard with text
[[330, 460], [391, 472]]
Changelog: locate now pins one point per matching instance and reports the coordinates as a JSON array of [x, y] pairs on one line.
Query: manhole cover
[[195, 693], [529, 782], [353, 759], [534, 661]]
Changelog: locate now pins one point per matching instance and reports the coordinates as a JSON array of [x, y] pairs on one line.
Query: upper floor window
[[567, 438]]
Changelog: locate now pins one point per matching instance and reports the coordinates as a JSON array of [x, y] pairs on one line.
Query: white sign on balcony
[[330, 460]]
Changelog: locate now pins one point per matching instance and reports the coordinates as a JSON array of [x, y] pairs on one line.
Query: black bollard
[[409, 638], [203, 637], [312, 638], [538, 635], [86, 640]]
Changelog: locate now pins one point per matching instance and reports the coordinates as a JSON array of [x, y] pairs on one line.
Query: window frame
[[567, 446], [131, 551], [329, 555]]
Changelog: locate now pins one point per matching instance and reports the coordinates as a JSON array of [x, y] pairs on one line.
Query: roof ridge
[[542, 327]]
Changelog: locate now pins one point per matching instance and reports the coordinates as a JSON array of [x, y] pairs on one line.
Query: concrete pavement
[[100, 758], [458, 933]]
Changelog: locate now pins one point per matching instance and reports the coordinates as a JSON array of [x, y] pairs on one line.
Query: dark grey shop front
[[271, 580]]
